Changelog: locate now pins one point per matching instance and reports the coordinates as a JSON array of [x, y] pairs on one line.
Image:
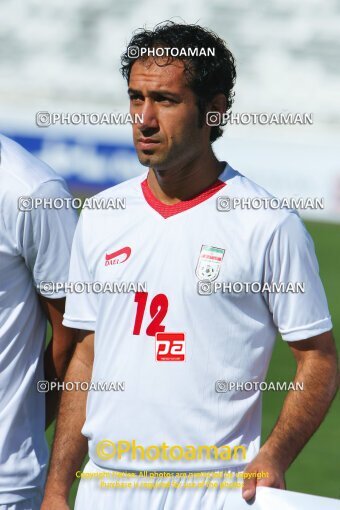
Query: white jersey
[[34, 246], [170, 344]]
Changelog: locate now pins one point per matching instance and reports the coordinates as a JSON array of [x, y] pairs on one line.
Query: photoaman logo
[[107, 450]]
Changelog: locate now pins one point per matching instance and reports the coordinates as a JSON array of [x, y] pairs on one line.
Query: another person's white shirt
[[228, 336], [34, 247]]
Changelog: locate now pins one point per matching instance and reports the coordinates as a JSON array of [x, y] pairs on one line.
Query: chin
[[148, 158], [145, 159]]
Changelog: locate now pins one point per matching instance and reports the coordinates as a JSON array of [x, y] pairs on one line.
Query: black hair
[[207, 75]]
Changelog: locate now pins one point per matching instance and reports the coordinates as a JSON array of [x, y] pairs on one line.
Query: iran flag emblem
[[209, 263]]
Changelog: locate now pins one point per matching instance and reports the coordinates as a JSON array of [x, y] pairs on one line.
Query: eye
[[134, 98], [165, 100]]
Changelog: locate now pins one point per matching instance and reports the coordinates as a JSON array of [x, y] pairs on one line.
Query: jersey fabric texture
[[170, 392], [34, 247]]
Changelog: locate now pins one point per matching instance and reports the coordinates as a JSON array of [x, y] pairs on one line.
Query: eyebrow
[[155, 93]]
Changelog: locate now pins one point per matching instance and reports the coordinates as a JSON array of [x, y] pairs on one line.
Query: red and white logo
[[170, 346], [117, 257]]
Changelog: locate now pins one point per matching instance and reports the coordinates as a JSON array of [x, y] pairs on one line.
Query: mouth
[[146, 143]]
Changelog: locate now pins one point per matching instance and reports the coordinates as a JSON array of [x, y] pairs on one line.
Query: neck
[[183, 182]]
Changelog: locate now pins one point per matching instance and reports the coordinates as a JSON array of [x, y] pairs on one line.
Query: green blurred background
[[316, 470]]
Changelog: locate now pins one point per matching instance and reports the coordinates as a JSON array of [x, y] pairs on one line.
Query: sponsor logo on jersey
[[209, 263], [170, 346], [117, 257]]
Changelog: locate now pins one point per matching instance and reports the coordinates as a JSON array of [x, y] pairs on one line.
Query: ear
[[215, 110], [219, 103]]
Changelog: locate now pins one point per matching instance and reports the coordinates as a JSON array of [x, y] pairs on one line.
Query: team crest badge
[[209, 263]]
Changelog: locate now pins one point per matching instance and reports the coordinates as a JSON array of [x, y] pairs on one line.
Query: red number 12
[[158, 310]]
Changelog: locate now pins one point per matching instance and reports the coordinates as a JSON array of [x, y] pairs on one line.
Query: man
[[35, 245], [173, 237]]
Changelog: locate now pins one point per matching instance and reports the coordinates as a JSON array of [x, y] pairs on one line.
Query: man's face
[[170, 134]]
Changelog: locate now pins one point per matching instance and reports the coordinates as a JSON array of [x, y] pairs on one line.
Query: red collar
[[167, 210]]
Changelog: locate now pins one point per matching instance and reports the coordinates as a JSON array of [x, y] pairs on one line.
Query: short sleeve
[[44, 238], [81, 308], [290, 258]]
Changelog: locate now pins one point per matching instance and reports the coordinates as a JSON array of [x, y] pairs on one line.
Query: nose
[[149, 113]]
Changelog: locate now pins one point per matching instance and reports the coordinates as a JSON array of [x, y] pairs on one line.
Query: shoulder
[[22, 177], [255, 206], [128, 188], [125, 195], [20, 171]]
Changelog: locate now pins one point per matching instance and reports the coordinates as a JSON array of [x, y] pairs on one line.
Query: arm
[[301, 414], [43, 239], [58, 352], [70, 446]]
